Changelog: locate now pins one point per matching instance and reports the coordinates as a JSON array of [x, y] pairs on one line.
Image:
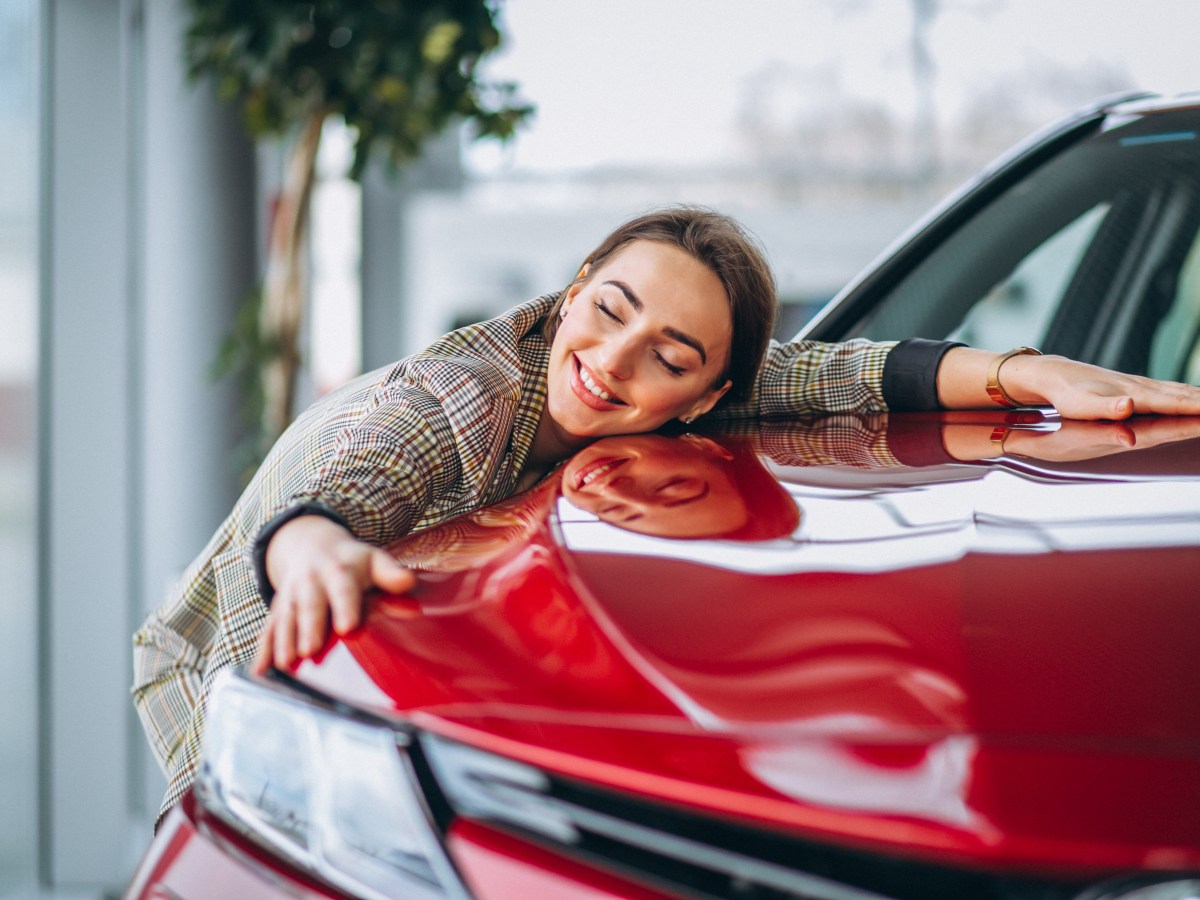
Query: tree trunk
[[285, 285]]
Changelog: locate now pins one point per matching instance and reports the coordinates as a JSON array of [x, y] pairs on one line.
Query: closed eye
[[599, 304], [673, 369]]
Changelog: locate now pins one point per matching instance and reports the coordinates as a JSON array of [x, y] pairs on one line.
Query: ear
[[576, 285], [707, 402], [708, 446]]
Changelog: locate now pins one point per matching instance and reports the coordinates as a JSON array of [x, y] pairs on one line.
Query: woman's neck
[[550, 445]]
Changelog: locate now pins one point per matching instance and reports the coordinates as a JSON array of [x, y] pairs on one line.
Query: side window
[[1175, 350], [1092, 252], [1018, 309]]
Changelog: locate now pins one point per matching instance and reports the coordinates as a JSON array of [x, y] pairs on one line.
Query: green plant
[[397, 71]]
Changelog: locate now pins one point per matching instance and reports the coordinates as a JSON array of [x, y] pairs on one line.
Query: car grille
[[684, 852]]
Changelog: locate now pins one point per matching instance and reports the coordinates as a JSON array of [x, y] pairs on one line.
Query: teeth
[[592, 386], [603, 470]]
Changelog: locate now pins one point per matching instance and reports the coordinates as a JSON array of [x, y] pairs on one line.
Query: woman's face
[[643, 340], [657, 485]]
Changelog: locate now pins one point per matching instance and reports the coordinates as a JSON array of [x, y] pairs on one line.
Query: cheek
[[664, 400], [681, 397]]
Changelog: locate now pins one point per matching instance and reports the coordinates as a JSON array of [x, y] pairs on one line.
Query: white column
[[84, 499], [198, 255], [148, 204]]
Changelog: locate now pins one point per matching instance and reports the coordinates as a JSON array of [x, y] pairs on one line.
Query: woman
[[669, 318]]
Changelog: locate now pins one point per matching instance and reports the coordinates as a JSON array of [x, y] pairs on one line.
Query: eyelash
[[677, 371], [674, 370], [599, 304]]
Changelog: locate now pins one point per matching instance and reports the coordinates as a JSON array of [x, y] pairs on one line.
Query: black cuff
[[265, 588], [917, 441], [910, 374]]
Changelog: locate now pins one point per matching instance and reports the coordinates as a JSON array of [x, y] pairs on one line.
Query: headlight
[[1176, 888], [335, 795]]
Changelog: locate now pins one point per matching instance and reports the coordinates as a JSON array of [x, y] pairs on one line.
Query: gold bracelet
[[999, 433], [994, 389]]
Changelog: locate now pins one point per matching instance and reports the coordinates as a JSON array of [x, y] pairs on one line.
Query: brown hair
[[735, 258]]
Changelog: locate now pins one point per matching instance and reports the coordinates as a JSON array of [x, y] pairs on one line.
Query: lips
[[598, 469], [591, 389]]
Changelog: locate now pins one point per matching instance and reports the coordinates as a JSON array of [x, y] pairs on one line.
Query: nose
[[621, 512], [628, 493], [617, 358]]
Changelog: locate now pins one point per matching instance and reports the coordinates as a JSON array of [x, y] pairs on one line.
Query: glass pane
[[1090, 255], [18, 429], [1175, 352], [1022, 305]]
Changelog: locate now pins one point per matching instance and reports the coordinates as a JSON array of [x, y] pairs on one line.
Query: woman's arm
[[814, 378], [1076, 390], [344, 480]]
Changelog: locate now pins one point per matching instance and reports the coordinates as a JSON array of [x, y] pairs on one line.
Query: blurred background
[[134, 220]]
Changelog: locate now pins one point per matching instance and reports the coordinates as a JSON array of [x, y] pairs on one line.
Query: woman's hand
[[320, 570], [1076, 390]]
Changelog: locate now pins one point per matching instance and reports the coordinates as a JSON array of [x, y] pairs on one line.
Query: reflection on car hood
[[996, 658]]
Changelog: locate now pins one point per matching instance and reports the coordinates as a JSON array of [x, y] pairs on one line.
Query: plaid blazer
[[408, 446]]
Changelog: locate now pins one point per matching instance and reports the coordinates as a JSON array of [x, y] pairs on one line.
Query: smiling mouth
[[592, 387], [598, 469]]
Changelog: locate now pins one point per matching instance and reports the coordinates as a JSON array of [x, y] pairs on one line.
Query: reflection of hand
[[1076, 440], [1073, 440], [320, 571]]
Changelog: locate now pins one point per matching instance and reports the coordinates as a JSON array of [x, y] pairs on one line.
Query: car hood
[[856, 637]]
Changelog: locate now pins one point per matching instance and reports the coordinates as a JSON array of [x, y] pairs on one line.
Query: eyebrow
[[674, 333]]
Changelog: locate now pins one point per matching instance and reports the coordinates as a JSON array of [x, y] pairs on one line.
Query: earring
[[562, 313], [688, 420]]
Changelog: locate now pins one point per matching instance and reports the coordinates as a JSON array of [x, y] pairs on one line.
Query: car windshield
[[1094, 254]]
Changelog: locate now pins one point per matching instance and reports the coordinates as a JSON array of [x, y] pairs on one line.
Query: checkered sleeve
[[171, 651], [815, 378], [858, 441], [385, 467]]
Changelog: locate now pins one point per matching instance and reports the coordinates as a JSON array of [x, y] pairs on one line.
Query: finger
[[1171, 398], [263, 659], [1162, 430], [1073, 441], [388, 575], [1095, 404], [1123, 436], [345, 604], [399, 608], [312, 622], [284, 637], [1106, 435]]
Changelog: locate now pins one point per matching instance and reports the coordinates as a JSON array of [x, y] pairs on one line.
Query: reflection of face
[[644, 338], [651, 484]]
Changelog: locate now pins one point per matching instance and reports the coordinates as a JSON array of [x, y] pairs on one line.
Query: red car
[[915, 656]]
